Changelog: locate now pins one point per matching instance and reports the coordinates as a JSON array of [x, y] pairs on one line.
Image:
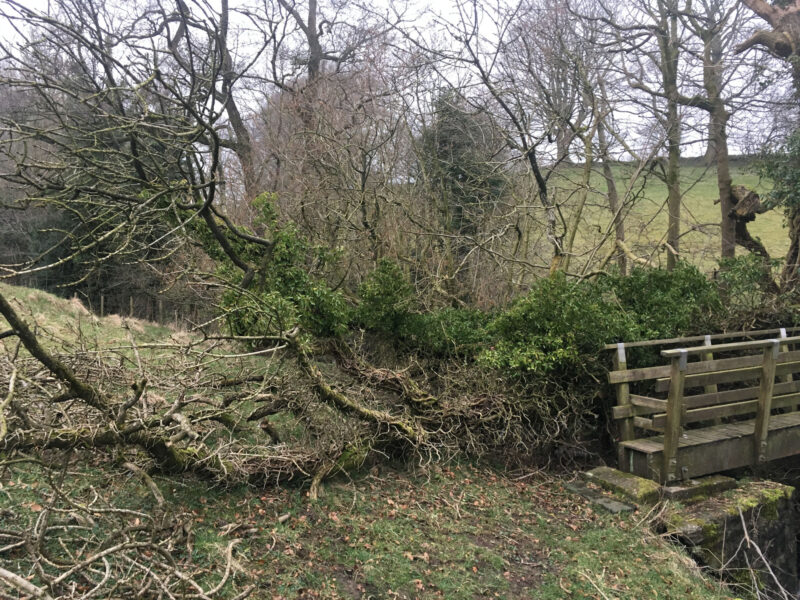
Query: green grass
[[457, 532], [646, 216]]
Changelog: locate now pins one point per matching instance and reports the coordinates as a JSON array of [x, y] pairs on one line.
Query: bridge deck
[[713, 449]]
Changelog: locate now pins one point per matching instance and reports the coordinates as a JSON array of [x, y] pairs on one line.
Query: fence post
[[102, 305], [761, 432], [672, 432]]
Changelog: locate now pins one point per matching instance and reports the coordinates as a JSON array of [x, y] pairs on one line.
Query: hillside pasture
[[644, 196]]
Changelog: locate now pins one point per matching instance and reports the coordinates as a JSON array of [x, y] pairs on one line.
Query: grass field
[[646, 214]]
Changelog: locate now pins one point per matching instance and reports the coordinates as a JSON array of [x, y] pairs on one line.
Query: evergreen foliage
[[783, 168], [285, 292], [459, 158]]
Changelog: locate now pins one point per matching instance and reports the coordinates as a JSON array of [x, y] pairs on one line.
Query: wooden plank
[[641, 374], [672, 431], [663, 371], [726, 453], [784, 350], [730, 396], [700, 338], [723, 364], [783, 421], [730, 376], [711, 388], [728, 410], [656, 404], [623, 393], [735, 346], [645, 445], [628, 412], [646, 424], [703, 379], [761, 431], [622, 412]]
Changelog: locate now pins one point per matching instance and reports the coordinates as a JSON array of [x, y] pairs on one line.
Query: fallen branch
[[4, 404], [394, 381], [82, 390], [22, 585], [348, 406]]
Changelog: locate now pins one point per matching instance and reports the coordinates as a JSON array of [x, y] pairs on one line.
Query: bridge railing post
[[761, 433], [711, 388], [623, 393], [788, 378], [674, 425], [623, 399]]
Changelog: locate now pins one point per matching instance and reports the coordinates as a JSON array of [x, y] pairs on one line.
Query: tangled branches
[[86, 545]]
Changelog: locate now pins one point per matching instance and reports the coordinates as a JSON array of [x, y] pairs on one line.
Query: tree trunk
[[712, 81], [724, 185], [613, 196], [782, 41], [673, 186], [582, 196], [718, 139], [790, 275], [669, 53]]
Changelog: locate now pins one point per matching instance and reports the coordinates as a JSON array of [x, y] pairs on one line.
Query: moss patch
[[638, 489]]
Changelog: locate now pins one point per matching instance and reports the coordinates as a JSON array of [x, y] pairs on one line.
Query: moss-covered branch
[[348, 406], [386, 379], [82, 390]]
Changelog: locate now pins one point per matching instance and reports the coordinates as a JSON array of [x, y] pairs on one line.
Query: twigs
[[79, 549], [84, 391], [23, 585], [4, 404], [327, 394], [148, 481], [395, 381], [776, 584]]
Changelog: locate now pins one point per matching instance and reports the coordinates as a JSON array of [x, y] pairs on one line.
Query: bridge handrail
[[678, 410], [700, 338], [751, 345]]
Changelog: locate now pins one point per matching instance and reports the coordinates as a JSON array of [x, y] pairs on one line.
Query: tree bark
[[613, 197], [719, 142], [668, 42], [783, 41]]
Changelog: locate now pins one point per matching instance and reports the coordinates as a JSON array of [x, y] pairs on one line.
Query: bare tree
[[782, 41], [650, 34]]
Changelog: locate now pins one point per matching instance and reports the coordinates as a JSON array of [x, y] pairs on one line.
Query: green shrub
[[668, 303], [387, 306], [557, 330], [782, 167], [387, 298], [746, 282], [447, 332], [283, 293]]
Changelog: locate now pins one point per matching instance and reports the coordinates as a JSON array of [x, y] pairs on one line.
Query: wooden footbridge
[[715, 402]]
